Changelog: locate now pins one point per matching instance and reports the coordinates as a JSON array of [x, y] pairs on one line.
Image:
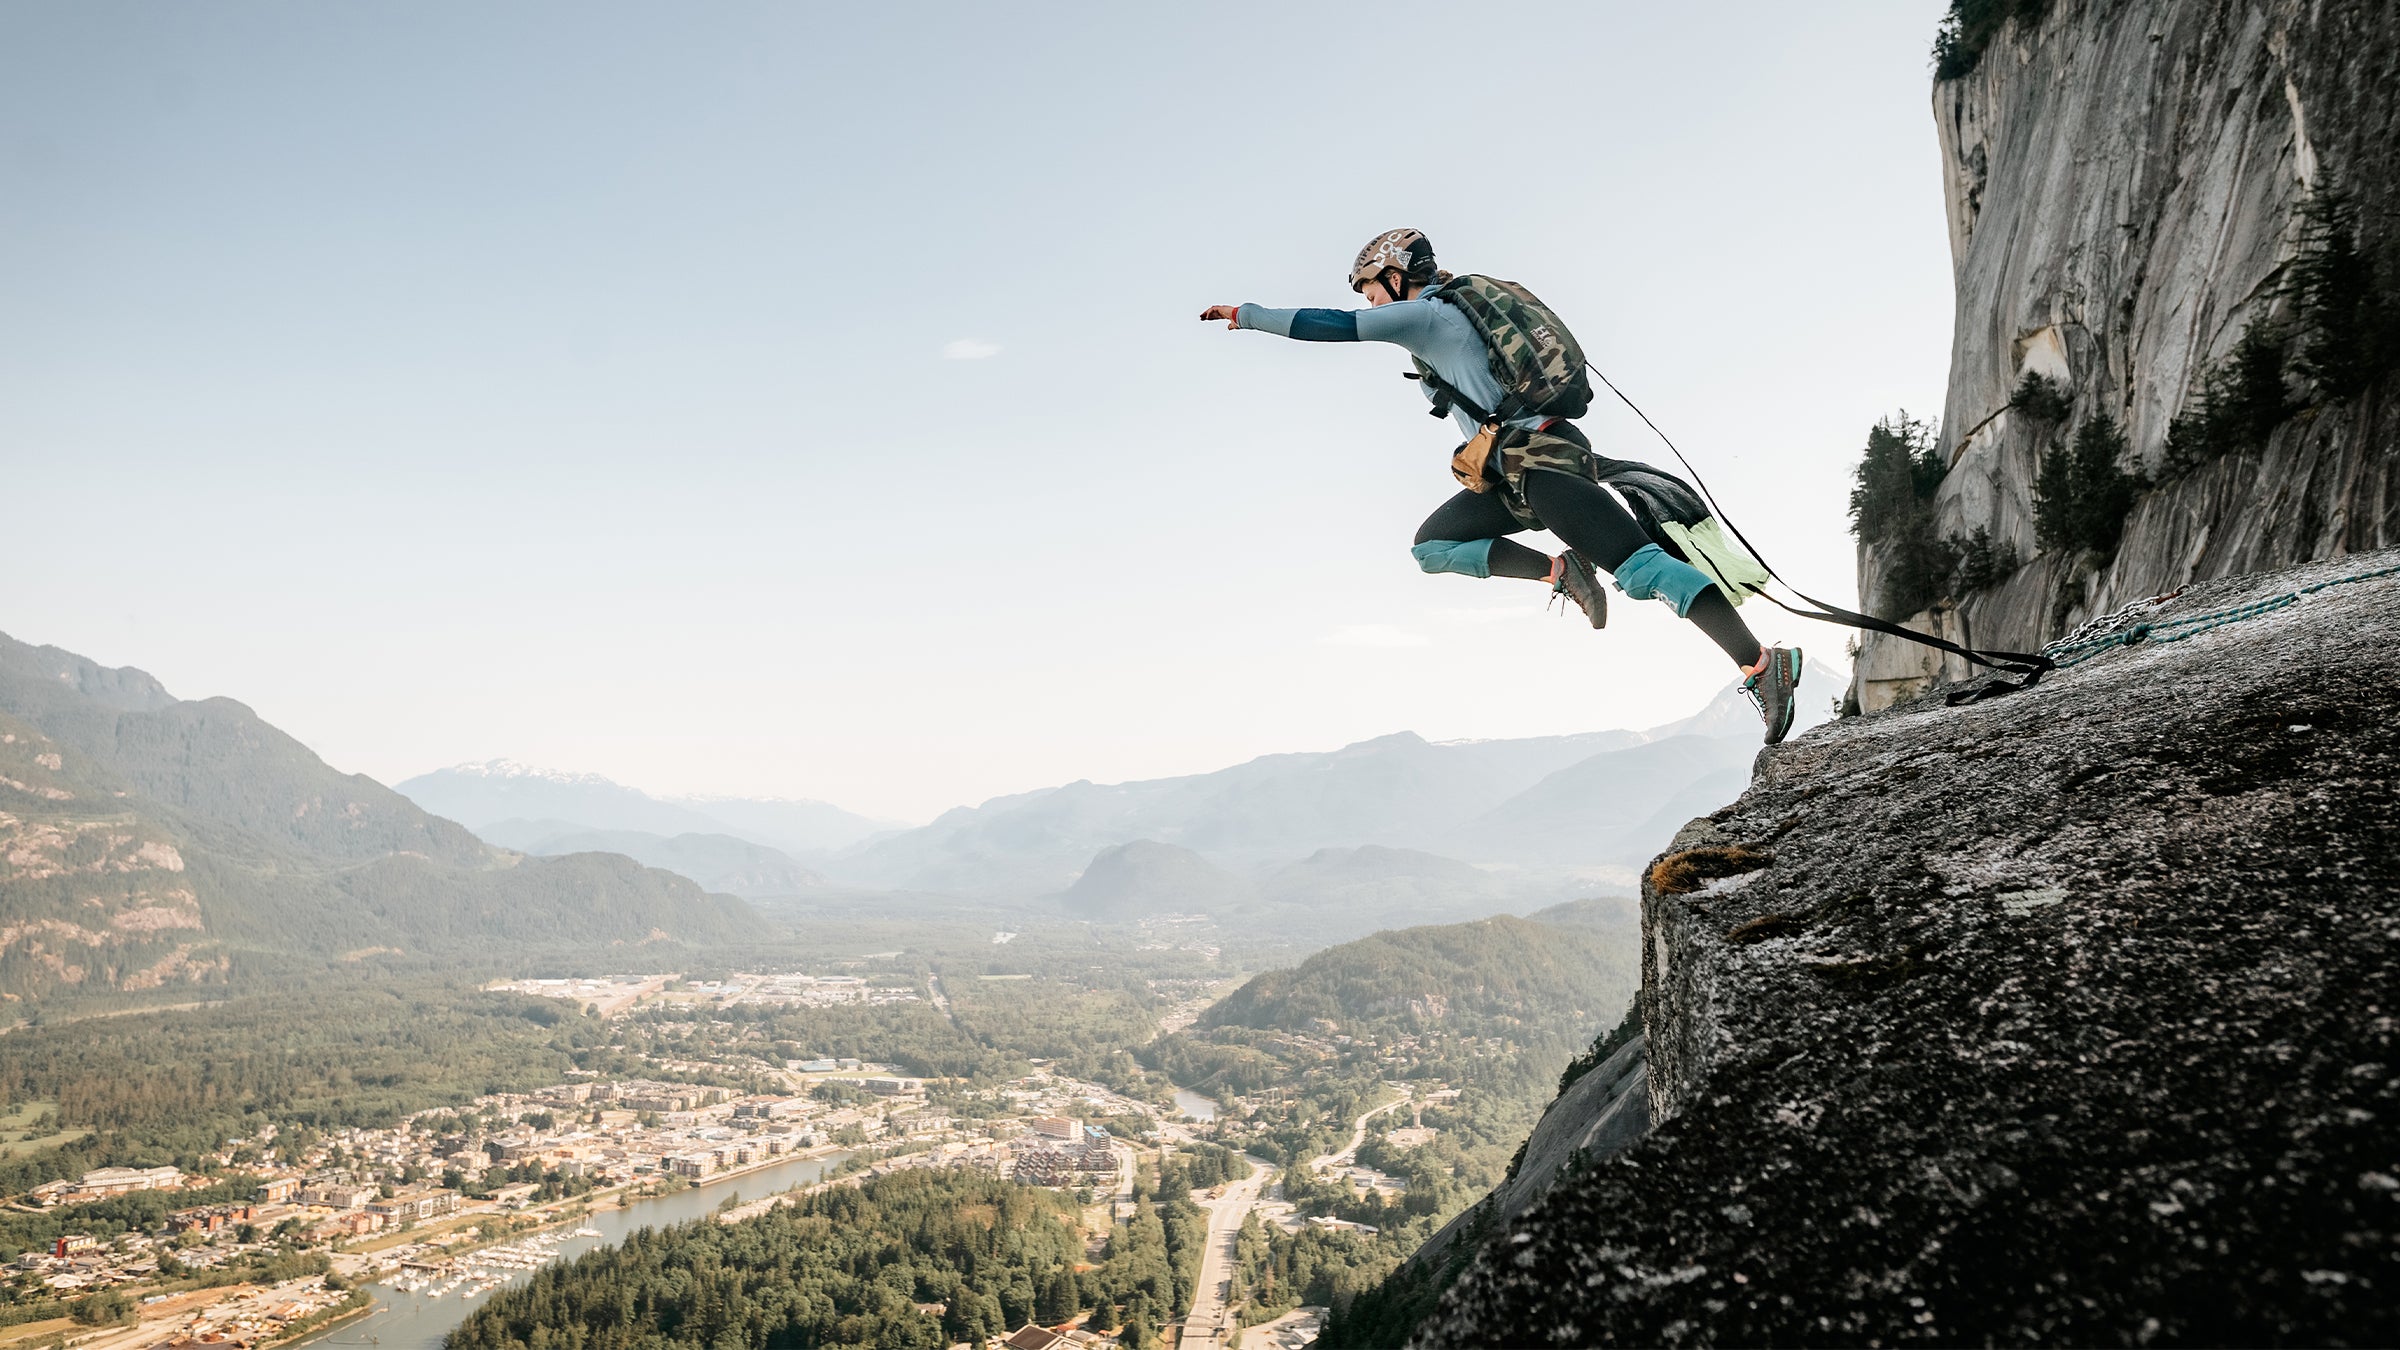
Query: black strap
[[2031, 665], [1446, 396]]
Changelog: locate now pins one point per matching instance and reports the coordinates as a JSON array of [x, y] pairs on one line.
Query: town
[[724, 1095], [456, 1198]]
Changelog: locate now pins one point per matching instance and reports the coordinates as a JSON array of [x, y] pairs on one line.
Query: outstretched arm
[[1406, 324]]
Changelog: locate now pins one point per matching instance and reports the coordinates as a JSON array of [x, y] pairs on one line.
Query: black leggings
[[1594, 524]]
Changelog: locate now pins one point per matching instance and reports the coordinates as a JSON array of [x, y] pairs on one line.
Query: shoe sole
[[1791, 699], [1599, 593]]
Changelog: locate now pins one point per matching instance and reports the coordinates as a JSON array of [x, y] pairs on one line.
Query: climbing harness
[[2030, 665], [2119, 630]]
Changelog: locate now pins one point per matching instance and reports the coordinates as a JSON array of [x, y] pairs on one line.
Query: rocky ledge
[[2064, 1017]]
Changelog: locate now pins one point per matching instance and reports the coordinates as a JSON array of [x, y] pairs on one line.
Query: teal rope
[[2176, 630]]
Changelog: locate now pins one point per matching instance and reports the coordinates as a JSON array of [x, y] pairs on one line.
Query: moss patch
[[1685, 872]]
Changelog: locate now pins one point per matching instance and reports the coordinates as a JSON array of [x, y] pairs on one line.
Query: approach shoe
[[1774, 688], [1579, 583]]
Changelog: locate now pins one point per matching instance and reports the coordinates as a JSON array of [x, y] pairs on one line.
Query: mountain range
[[722, 863], [1396, 829], [480, 795], [148, 841], [1598, 802]]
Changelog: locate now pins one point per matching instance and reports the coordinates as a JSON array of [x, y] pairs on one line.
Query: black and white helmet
[[1409, 251]]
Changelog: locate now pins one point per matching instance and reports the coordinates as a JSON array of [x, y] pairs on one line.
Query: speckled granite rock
[[1598, 1116], [2064, 1018]]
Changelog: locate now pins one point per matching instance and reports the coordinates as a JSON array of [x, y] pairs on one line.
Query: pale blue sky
[[568, 382]]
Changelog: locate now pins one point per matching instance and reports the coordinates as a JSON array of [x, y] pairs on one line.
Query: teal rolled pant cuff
[[1468, 557], [1651, 574]]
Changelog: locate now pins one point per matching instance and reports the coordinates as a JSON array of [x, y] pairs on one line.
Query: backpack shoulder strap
[[1445, 394], [1511, 404]]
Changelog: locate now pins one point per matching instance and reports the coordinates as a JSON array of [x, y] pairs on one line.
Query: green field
[[17, 1130]]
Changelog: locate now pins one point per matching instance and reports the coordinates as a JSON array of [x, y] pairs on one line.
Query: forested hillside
[[914, 1259], [1492, 976], [149, 844], [165, 1087], [1469, 1025]]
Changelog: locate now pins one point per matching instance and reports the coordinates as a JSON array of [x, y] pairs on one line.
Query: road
[[1209, 1322], [1358, 1136]]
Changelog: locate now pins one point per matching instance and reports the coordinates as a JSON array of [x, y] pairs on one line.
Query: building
[[690, 1166], [518, 1194], [276, 1190], [416, 1206], [1056, 1127], [1044, 1165], [338, 1195], [357, 1223], [208, 1218], [126, 1180], [73, 1243], [1031, 1337]]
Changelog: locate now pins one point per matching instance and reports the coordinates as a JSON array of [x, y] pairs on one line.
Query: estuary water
[[406, 1321]]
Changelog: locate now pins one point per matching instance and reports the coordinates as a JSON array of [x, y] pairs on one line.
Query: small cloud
[[970, 349], [1374, 635]]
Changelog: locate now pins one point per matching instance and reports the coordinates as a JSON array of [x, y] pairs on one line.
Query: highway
[[1209, 1322]]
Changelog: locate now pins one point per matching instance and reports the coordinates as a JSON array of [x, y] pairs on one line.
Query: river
[[1194, 1105], [406, 1321]]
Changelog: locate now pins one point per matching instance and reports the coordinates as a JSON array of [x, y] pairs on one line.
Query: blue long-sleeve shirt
[[1431, 331]]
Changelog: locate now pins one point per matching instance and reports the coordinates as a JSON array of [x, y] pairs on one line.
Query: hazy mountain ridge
[[216, 762], [480, 795], [152, 841], [1333, 895], [1145, 877], [1473, 800], [718, 862]]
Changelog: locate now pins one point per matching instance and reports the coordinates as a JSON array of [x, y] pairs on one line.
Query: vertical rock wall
[[2122, 182]]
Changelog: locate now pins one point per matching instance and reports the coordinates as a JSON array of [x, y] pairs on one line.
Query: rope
[[2029, 665], [2072, 650], [2069, 652]]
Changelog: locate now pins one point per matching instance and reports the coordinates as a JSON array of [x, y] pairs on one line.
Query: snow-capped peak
[[509, 768]]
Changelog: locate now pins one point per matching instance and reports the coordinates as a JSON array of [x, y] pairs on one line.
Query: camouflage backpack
[[1533, 356]]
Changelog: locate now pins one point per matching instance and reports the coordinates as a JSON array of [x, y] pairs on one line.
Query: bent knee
[[1652, 574], [1468, 557]]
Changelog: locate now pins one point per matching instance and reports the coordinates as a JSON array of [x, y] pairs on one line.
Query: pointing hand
[[1225, 312]]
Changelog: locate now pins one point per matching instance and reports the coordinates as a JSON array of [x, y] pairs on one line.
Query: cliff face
[[2124, 184], [2061, 1018], [2064, 1017]]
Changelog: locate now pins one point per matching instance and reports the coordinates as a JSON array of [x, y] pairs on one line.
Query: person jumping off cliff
[[1499, 362]]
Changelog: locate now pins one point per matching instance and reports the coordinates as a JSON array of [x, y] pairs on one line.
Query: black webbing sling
[[2031, 665]]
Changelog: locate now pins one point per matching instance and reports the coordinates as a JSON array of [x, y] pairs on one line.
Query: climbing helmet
[[1408, 250]]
